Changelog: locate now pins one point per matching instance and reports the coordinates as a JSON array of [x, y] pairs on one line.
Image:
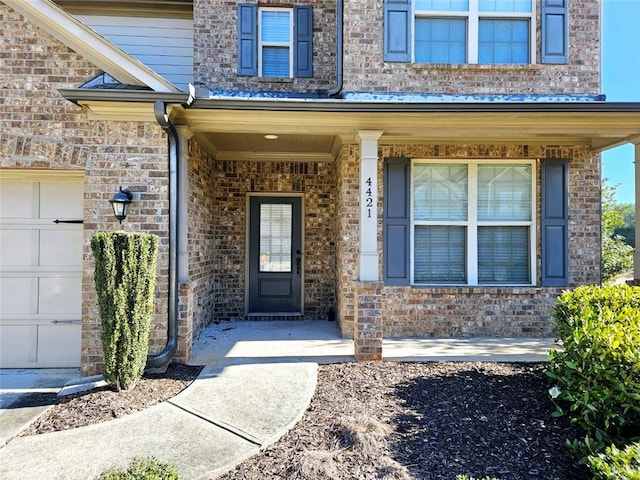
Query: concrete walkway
[[258, 381]]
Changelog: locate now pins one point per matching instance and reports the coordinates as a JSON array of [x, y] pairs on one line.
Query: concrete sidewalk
[[258, 381]]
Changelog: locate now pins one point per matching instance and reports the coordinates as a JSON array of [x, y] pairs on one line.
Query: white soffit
[[95, 48]]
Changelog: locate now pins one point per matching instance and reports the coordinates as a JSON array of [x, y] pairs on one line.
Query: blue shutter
[[555, 31], [396, 221], [555, 223], [303, 41], [397, 30], [247, 39]]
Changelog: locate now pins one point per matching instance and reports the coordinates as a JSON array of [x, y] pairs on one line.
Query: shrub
[[617, 257], [616, 464], [142, 469], [597, 375], [125, 278]]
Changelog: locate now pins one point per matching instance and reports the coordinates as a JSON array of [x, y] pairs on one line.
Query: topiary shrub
[[142, 469], [596, 376], [616, 464], [125, 278]]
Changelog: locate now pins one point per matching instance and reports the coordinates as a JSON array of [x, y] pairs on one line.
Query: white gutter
[[92, 46]]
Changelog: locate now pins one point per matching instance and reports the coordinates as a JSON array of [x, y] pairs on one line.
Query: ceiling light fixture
[[271, 136]]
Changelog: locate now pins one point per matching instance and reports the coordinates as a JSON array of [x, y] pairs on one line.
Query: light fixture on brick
[[120, 203]]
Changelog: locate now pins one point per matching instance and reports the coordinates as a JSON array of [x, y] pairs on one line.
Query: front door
[[275, 254]]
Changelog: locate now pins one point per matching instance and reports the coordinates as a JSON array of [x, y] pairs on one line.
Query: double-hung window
[[474, 31], [275, 42], [472, 223], [275, 33]]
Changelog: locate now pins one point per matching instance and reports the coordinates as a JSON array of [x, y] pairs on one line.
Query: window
[[472, 223], [276, 36], [275, 42], [473, 31]]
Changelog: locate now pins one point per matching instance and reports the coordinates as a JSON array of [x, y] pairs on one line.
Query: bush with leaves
[[142, 469], [125, 278], [596, 376], [617, 464], [617, 252]]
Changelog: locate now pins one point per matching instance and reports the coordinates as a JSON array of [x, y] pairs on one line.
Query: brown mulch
[[393, 421], [104, 403]]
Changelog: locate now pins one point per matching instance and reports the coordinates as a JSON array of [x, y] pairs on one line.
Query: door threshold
[[274, 316]]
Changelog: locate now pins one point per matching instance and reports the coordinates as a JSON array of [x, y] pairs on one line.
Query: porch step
[[273, 316]]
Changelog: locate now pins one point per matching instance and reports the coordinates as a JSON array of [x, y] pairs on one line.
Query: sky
[[621, 83]]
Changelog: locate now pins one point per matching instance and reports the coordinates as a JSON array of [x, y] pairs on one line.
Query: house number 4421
[[369, 196]]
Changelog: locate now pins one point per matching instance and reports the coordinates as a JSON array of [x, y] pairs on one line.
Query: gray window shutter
[[247, 39], [555, 31], [397, 30], [303, 41], [396, 221], [555, 223]]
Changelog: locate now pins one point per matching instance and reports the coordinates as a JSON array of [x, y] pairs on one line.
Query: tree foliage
[[125, 278], [617, 251]]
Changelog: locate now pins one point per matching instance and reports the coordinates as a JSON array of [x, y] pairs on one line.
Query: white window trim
[[288, 44], [473, 16], [472, 222]]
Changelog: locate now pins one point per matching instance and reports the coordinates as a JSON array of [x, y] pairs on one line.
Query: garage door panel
[[59, 345], [17, 295], [60, 248], [16, 247], [17, 199], [62, 200], [60, 295], [18, 345]]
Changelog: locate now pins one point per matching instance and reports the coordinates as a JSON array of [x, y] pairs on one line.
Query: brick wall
[[365, 70], [216, 48], [40, 129], [233, 181], [469, 311]]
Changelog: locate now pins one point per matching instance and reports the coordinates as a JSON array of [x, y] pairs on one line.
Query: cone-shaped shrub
[[125, 277]]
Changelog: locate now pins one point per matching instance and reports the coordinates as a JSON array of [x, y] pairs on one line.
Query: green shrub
[[125, 278], [617, 257], [596, 376], [616, 464], [142, 469]]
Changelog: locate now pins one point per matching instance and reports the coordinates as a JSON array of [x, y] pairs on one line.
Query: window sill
[[478, 66], [275, 80]]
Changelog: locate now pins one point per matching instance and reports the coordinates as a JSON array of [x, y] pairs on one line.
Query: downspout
[[163, 357], [337, 89]]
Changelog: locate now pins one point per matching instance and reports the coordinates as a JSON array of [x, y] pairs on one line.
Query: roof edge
[[86, 42]]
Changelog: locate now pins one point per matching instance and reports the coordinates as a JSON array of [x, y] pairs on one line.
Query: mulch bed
[[393, 421]]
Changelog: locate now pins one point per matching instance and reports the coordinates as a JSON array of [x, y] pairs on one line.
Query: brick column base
[[367, 336]]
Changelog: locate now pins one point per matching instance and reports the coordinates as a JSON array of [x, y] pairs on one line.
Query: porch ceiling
[[315, 130]]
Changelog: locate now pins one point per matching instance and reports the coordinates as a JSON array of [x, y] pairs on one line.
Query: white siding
[[163, 44]]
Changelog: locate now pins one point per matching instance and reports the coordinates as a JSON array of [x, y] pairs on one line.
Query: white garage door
[[40, 269]]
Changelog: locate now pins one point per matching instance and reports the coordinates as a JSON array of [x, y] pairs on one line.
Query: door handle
[[298, 261]]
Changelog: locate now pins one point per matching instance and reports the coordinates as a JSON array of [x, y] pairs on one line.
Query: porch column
[[184, 134], [368, 258], [636, 257]]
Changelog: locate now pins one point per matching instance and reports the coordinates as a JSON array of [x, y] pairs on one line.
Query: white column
[[368, 204], [636, 257], [184, 134]]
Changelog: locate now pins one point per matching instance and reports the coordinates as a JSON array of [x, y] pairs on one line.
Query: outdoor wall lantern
[[120, 203]]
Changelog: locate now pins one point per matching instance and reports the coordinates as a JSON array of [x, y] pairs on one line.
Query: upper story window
[[275, 57], [474, 31], [275, 42]]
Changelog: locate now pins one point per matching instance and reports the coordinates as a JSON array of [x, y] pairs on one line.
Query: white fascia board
[[95, 48]]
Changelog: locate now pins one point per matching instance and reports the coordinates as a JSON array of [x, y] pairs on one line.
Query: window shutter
[[247, 39], [303, 41], [396, 221], [555, 31], [397, 30], [555, 223]]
